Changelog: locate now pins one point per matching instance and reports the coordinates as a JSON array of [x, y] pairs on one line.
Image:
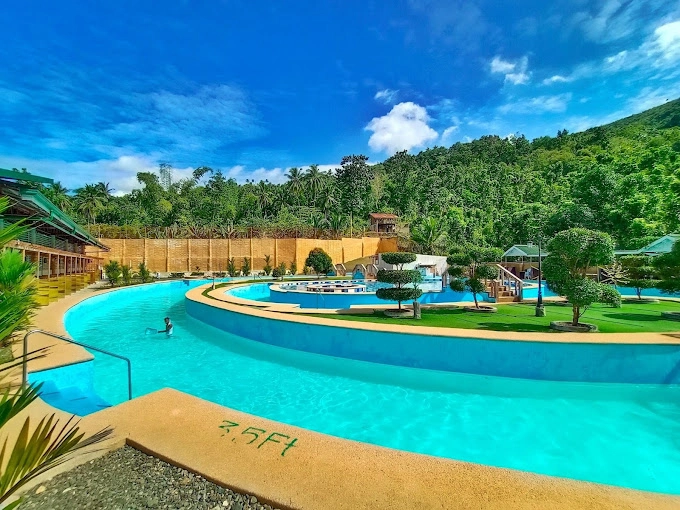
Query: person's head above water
[[167, 319]]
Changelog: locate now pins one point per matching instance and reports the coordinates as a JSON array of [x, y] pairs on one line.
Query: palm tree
[[295, 182], [105, 191], [315, 179], [58, 195], [264, 195], [90, 200], [429, 235]]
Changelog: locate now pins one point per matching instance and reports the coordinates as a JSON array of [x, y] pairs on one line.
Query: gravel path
[[128, 479]]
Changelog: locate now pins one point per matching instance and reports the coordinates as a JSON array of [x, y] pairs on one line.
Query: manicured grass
[[630, 318]]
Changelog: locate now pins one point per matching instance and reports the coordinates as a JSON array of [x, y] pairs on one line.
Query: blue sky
[[99, 93]]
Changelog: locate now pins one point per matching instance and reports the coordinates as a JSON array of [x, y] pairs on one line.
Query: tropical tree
[[58, 195], [404, 281], [113, 271], [641, 273], [319, 260], [89, 200], [571, 253], [144, 273], [245, 267], [429, 235], [470, 268], [231, 267], [314, 178], [267, 265], [668, 266], [295, 182], [126, 274]]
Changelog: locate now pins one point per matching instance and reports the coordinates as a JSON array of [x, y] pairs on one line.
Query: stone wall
[[182, 255]]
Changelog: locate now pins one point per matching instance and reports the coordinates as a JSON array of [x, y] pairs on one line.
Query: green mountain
[[622, 178]]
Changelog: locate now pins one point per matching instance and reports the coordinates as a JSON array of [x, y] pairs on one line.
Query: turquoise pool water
[[621, 434]]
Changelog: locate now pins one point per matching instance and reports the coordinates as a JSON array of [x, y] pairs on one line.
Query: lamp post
[[540, 310]]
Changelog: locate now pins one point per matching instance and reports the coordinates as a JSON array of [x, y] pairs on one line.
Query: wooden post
[[145, 255], [251, 247], [276, 252], [210, 264], [189, 254], [167, 253]]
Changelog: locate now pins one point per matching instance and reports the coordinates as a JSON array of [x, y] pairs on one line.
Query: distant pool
[[614, 433]]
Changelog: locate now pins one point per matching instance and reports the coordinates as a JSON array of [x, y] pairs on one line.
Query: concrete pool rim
[[365, 476]]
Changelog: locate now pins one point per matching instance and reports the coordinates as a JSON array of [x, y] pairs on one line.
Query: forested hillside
[[622, 178]]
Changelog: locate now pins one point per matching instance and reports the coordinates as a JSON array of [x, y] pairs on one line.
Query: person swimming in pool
[[168, 327]]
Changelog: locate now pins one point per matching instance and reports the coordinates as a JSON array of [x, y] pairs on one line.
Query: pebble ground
[[128, 479]]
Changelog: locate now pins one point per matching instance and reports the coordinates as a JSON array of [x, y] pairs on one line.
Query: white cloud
[[537, 105], [611, 20], [498, 65], [403, 128], [514, 72], [667, 39], [556, 79], [448, 133], [387, 96]]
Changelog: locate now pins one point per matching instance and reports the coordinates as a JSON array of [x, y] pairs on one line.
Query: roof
[[47, 212], [383, 216], [23, 176], [524, 250]]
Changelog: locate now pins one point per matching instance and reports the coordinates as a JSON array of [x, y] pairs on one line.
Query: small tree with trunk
[[641, 273], [401, 278], [571, 253], [668, 266], [320, 261], [469, 269]]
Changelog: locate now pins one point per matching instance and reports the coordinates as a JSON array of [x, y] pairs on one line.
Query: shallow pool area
[[616, 433]]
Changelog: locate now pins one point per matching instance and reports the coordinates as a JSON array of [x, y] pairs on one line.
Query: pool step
[[72, 399]]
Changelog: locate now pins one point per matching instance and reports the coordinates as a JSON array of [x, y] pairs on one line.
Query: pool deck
[[320, 471]]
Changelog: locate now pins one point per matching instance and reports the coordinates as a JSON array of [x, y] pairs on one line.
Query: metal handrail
[[24, 375]]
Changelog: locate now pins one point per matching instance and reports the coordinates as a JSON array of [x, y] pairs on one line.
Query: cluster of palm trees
[[87, 201]]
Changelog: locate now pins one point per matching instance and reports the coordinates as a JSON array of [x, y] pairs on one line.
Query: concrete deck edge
[[218, 298]]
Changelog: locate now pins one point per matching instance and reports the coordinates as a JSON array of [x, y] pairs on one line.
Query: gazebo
[[522, 258], [383, 223]]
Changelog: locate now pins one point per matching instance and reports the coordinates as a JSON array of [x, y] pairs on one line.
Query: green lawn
[[630, 318]]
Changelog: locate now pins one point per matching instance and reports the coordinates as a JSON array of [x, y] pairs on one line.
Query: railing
[[508, 280], [34, 237], [24, 375]]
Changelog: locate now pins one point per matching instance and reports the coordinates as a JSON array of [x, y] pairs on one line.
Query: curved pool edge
[[220, 299], [184, 430], [365, 476]]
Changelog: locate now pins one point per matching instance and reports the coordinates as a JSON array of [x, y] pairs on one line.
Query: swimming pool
[[621, 434]]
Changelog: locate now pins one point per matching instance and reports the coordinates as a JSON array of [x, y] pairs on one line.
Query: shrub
[[231, 267], [267, 265], [276, 273], [293, 268], [245, 268], [668, 266], [642, 274], [400, 278], [320, 261], [126, 274], [282, 270], [610, 296], [113, 271], [144, 273]]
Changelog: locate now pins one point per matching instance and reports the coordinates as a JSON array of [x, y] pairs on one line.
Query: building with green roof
[[55, 243]]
